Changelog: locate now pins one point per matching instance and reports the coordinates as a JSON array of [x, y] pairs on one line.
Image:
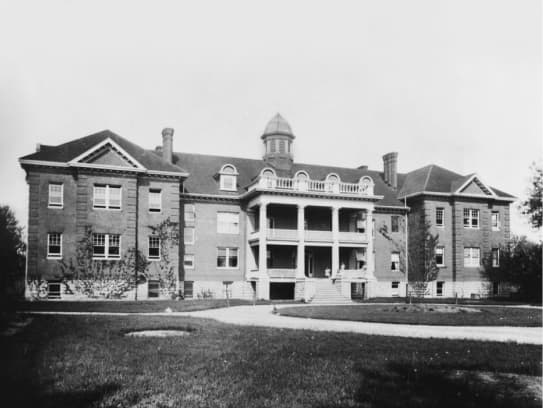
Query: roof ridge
[[428, 176]]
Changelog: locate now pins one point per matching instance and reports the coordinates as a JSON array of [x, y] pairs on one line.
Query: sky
[[453, 83]]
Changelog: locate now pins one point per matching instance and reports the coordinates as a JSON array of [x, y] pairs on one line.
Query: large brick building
[[270, 228]]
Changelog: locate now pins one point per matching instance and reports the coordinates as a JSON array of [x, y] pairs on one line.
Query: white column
[[300, 258], [335, 241], [370, 262], [263, 291]]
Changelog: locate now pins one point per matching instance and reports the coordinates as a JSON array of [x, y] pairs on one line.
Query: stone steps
[[327, 292]]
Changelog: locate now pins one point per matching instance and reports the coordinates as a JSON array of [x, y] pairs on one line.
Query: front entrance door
[[309, 264]]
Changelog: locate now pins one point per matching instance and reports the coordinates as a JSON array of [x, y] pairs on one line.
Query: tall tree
[[532, 206], [12, 252]]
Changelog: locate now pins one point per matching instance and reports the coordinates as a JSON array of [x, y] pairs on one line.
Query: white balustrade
[[318, 186], [279, 234], [352, 237], [322, 236], [284, 273]]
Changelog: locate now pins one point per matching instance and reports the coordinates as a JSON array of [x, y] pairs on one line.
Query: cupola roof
[[277, 126]]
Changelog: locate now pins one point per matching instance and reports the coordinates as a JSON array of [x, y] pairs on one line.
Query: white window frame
[[442, 248], [191, 211], [224, 175], [227, 260], [193, 235], [395, 288], [228, 226], [54, 255], [54, 205], [153, 192], [498, 224], [495, 261], [470, 214], [107, 256], [442, 211], [469, 260], [154, 257], [393, 262], [107, 205], [187, 257]]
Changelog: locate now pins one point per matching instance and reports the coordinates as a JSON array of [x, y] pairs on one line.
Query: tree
[[12, 253], [532, 206], [519, 265]]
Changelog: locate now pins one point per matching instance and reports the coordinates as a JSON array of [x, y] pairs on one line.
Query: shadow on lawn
[[406, 385], [26, 396]]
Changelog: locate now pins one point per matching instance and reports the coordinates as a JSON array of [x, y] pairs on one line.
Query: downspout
[[136, 252]]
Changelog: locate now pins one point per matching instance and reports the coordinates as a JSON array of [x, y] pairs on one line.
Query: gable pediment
[[107, 154], [474, 186]]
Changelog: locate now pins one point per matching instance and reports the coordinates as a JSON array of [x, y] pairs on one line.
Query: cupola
[[278, 138]]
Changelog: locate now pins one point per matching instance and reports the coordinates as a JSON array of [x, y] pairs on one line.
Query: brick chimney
[[390, 169], [167, 144]]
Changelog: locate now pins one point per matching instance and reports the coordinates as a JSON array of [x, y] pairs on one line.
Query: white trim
[[497, 250], [107, 197], [442, 247], [300, 172], [193, 235], [102, 144], [54, 256], [331, 175], [51, 205], [227, 257], [267, 168], [498, 227], [471, 258], [435, 193], [473, 177], [235, 173], [43, 163], [107, 256]]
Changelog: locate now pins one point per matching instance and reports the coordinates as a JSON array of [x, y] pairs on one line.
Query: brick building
[[270, 228]]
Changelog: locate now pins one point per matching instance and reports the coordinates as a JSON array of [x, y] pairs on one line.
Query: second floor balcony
[[330, 186]]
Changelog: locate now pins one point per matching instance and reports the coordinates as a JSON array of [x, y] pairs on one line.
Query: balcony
[[273, 273], [352, 237], [277, 234], [364, 188], [317, 236]]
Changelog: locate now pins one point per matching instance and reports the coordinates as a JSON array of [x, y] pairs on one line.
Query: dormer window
[[228, 178], [366, 185], [302, 179], [332, 183], [267, 178]]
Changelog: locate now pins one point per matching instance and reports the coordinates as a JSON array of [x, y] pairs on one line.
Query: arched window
[[302, 179], [332, 183], [228, 177], [365, 185], [267, 173], [267, 178]]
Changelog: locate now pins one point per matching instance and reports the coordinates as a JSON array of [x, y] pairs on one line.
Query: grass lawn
[[488, 315], [125, 306], [85, 361]]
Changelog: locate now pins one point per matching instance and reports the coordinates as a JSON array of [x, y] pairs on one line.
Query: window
[[188, 235], [395, 261], [154, 248], [228, 178], [227, 258], [439, 288], [53, 290], [395, 289], [188, 261], [282, 146], [106, 246], [439, 216], [471, 218], [155, 200], [495, 257], [188, 289], [395, 223], [273, 149], [440, 256], [190, 212], [54, 245], [227, 223], [472, 257], [153, 288], [56, 195], [495, 221], [106, 196]]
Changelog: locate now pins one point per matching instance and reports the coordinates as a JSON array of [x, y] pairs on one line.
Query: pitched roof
[[68, 151], [204, 175], [435, 179]]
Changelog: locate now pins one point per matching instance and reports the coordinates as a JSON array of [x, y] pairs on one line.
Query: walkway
[[262, 316]]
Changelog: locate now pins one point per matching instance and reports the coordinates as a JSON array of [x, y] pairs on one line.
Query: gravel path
[[262, 316]]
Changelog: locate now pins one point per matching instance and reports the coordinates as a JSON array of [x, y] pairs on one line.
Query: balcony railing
[[321, 236], [279, 234], [352, 237], [364, 188]]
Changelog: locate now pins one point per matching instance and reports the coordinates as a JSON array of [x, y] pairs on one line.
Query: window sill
[[155, 211], [55, 207], [228, 268], [106, 208], [153, 259], [54, 257], [106, 259]]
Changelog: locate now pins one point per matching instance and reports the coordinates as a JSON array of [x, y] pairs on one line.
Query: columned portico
[[263, 290], [335, 240]]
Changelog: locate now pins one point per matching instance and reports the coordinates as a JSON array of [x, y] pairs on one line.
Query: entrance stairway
[[327, 293]]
